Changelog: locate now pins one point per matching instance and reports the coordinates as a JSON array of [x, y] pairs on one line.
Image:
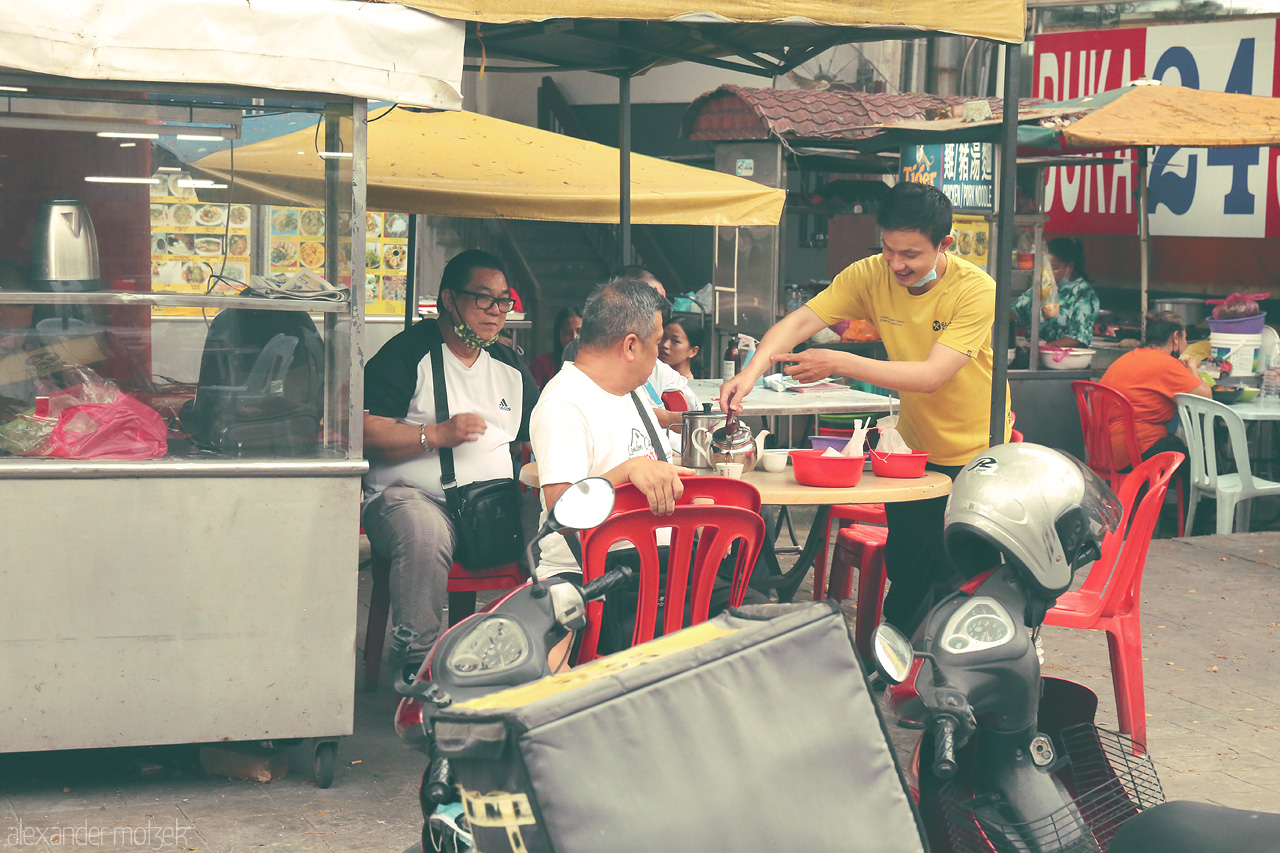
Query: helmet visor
[[1099, 505]]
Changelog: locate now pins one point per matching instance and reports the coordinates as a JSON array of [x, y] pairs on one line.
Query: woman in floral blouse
[[1069, 321]]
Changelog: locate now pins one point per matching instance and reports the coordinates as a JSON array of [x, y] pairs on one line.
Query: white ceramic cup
[[733, 470], [774, 461]]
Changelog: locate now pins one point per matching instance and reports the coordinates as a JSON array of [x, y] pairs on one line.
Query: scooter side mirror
[[893, 653], [585, 504]]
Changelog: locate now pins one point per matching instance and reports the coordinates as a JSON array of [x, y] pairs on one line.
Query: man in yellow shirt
[[934, 312]]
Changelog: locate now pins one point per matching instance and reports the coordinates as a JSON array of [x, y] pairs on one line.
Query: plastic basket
[[1111, 777]]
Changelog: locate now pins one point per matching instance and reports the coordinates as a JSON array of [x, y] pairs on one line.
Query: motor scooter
[[1011, 761], [521, 636]]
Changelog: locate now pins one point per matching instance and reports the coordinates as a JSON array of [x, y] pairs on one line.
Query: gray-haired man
[[589, 422]]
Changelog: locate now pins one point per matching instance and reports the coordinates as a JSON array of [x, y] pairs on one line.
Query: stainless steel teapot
[[734, 442]]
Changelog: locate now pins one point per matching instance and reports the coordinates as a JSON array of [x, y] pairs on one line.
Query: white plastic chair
[[1233, 492]]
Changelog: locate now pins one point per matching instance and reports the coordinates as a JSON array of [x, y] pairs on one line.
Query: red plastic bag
[[121, 429], [1237, 306]]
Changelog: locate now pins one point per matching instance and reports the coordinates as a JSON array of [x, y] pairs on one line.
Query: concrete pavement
[[1211, 607]]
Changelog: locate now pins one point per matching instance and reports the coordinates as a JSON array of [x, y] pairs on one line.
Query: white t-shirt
[[398, 384], [580, 430]]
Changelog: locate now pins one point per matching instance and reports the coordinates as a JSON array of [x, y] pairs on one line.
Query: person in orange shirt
[[1149, 376]]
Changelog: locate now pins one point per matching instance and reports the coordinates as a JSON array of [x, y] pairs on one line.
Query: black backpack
[[261, 386]]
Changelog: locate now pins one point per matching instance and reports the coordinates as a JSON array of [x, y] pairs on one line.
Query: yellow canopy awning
[[1002, 20], [1175, 115], [464, 164]]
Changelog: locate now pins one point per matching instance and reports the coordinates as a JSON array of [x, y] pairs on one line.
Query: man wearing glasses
[[490, 396]]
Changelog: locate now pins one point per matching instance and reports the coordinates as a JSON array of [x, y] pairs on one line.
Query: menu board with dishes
[[972, 235], [386, 260], [194, 243]]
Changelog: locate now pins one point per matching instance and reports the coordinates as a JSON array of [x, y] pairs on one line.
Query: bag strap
[[447, 480], [648, 425]]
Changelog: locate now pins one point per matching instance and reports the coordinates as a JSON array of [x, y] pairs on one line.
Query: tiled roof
[[738, 112]]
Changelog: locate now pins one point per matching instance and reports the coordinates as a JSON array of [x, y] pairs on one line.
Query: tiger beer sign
[[1225, 192]]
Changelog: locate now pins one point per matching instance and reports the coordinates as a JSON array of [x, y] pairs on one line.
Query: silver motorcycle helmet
[[1042, 509]]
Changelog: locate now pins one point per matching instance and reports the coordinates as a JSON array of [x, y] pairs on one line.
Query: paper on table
[[890, 440], [856, 441]]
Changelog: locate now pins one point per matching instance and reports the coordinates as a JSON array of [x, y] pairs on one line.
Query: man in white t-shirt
[[592, 422], [490, 398], [663, 379]]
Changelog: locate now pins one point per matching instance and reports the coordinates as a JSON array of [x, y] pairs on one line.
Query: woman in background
[[1069, 321], [568, 324], [680, 346], [1148, 377]]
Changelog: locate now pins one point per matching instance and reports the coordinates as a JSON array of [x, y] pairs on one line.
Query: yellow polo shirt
[[958, 311]]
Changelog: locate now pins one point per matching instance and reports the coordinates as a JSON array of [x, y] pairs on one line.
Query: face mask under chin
[[468, 335]]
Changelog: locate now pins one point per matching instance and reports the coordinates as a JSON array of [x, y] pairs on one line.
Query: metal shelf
[[176, 300]]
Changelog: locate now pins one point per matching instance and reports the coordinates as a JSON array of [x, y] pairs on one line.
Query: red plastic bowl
[[832, 472], [902, 465]]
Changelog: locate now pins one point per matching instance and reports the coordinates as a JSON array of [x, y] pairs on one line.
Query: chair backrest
[[674, 401], [714, 530], [1117, 575], [1198, 416], [701, 489], [1099, 407]]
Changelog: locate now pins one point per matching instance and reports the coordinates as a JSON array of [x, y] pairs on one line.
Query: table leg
[[772, 577]]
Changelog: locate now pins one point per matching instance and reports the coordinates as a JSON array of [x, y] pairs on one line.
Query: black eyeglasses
[[484, 301]]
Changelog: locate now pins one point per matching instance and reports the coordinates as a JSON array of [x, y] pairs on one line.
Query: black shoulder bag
[[486, 515]]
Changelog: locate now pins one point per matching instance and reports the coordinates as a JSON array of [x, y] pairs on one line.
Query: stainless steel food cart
[[197, 596]]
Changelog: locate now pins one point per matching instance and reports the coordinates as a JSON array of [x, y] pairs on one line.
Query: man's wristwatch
[[422, 437]]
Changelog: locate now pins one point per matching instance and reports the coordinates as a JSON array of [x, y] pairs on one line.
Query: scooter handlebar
[[610, 579], [439, 781], [944, 747]]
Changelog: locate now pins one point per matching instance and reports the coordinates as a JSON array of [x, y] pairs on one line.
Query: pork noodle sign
[[1225, 192]]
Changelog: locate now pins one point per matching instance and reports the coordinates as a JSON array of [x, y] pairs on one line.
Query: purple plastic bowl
[[822, 442]]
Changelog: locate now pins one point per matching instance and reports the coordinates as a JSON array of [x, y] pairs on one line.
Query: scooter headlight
[[495, 644], [981, 623]]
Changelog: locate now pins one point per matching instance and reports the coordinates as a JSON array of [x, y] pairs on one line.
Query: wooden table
[[781, 489]]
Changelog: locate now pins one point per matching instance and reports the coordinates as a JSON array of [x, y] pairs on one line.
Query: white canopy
[[378, 51]]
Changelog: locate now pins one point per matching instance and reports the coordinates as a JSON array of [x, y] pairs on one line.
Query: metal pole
[[411, 274], [624, 167], [1005, 234], [1144, 236]]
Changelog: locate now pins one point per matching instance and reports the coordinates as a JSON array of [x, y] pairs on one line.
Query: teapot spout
[[760, 437]]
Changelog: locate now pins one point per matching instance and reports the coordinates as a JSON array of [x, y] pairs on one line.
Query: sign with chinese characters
[[965, 172], [1224, 192]]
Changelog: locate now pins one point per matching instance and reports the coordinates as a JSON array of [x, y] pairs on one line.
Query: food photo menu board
[[198, 248], [972, 237], [386, 259], [192, 242]]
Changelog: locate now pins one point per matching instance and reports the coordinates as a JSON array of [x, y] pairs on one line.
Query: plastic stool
[[860, 547], [840, 513]]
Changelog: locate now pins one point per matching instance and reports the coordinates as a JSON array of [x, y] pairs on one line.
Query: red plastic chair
[[674, 401], [1099, 406], [1109, 598], [463, 586], [699, 489], [716, 529]]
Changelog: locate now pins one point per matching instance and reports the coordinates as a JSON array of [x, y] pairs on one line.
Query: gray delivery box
[[752, 731]]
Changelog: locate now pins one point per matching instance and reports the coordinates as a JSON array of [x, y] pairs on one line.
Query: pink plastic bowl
[[901, 465], [831, 472]]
